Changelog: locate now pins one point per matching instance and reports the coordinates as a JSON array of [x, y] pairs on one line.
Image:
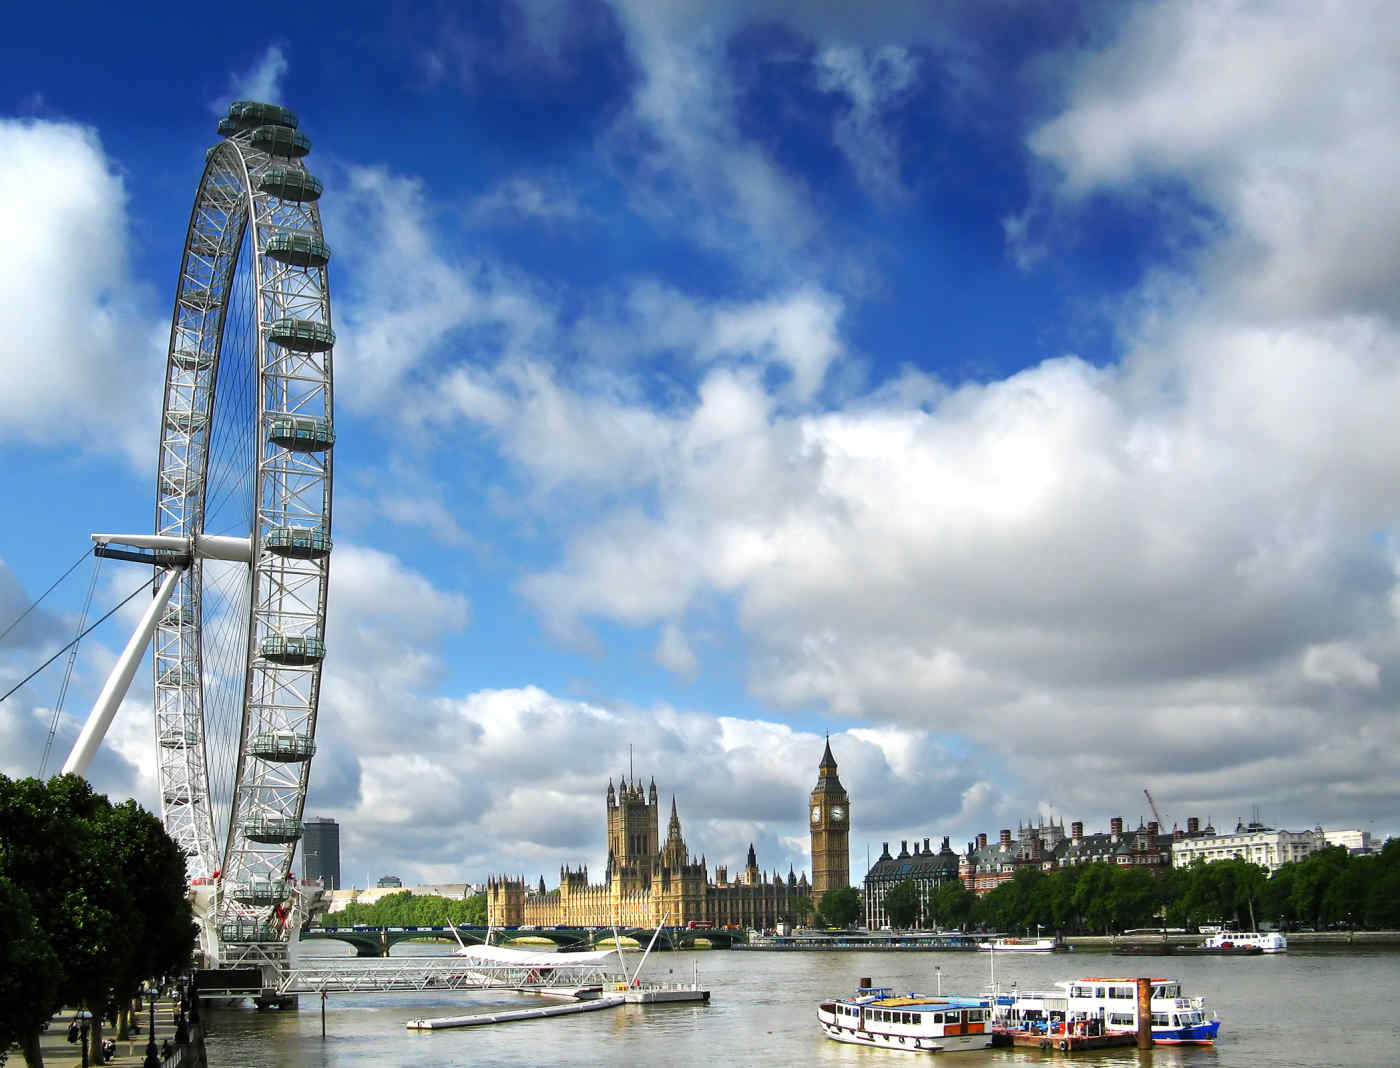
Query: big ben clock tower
[[831, 830]]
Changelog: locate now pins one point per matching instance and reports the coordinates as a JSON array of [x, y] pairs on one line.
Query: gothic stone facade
[[831, 830], [647, 881]]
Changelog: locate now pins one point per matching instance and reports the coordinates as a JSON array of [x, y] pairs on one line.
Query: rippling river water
[[1303, 1008]]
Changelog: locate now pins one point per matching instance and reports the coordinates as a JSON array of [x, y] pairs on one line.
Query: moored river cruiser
[[1104, 1006], [1272, 942], [913, 1023]]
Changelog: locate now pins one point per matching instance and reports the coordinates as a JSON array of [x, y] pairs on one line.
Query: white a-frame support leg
[[110, 699]]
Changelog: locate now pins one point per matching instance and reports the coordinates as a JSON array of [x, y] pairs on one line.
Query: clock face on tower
[[838, 813], [816, 813]]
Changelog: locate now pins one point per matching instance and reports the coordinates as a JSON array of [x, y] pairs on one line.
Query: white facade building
[[1349, 839], [1253, 842]]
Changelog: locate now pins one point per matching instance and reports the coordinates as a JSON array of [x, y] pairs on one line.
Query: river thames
[[1300, 1008]]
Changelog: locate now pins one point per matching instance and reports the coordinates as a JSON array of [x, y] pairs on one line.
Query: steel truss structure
[[444, 973]]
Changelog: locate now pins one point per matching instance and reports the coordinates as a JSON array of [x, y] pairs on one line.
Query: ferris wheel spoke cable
[[35, 604], [131, 597], [68, 668]]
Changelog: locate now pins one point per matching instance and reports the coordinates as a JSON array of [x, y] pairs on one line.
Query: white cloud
[[80, 340], [261, 81], [872, 80], [1187, 547], [405, 298], [524, 200], [1338, 664], [674, 653], [1275, 117]]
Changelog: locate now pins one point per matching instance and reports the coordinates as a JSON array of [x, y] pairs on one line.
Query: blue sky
[[1006, 392]]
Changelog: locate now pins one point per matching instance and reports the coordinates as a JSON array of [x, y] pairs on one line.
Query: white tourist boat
[[1270, 942], [913, 1023], [1019, 945], [1102, 1005]]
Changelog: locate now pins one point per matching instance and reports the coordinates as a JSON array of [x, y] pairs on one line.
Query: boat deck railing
[[352, 974]]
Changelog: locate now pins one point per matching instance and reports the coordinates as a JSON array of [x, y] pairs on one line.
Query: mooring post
[[1144, 1008], [323, 1012]]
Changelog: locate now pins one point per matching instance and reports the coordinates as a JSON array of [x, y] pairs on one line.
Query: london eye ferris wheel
[[242, 539]]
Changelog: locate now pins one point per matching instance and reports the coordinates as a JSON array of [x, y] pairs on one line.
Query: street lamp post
[[182, 1027], [83, 1017], [152, 1056]]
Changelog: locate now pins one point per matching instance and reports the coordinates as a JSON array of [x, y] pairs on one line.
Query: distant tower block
[[830, 821], [320, 851]]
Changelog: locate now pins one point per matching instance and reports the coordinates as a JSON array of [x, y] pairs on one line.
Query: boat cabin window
[[1121, 1019], [916, 1017], [974, 1015], [1161, 1019], [937, 1017], [1081, 992], [1098, 991], [1121, 992]]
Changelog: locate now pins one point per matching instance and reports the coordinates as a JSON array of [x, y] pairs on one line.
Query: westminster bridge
[[372, 941]]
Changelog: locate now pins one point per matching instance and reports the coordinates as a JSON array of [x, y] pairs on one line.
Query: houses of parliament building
[[649, 882]]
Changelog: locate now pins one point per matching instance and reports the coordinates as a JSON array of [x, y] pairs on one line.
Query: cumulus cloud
[[81, 336], [406, 296], [871, 80], [1126, 570], [525, 200], [673, 652], [1274, 119], [262, 80], [523, 774]]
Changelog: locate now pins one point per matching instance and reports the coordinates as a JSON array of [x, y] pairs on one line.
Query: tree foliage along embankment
[[1329, 888], [93, 902], [407, 910]]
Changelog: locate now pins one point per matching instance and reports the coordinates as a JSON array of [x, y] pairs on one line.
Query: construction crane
[[1161, 825]]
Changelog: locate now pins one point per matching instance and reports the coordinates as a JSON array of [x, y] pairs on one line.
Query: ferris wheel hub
[[197, 546]]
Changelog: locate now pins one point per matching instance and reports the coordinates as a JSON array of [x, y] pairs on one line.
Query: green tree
[[902, 904], [29, 974], [1382, 903], [106, 890], [1224, 890], [1313, 898], [404, 909], [1092, 896], [951, 904], [840, 907], [1019, 904], [801, 909]]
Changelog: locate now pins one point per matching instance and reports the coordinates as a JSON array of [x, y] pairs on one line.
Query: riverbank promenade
[[131, 1053]]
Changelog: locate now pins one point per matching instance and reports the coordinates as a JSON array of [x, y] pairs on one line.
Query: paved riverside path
[[131, 1053]]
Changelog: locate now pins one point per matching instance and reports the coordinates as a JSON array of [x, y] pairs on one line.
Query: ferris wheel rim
[[264, 195]]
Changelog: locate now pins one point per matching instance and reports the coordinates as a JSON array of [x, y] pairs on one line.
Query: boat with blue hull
[[1100, 1005]]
